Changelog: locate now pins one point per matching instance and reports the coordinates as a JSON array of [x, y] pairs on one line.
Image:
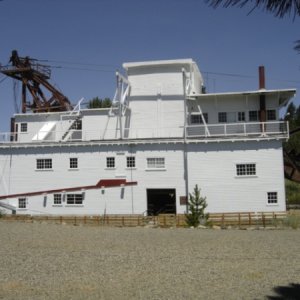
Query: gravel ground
[[48, 261]]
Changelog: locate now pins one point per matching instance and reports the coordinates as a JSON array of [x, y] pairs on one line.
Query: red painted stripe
[[103, 183]]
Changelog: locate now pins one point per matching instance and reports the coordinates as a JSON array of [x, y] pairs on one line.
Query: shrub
[[292, 221], [2, 213], [196, 206]]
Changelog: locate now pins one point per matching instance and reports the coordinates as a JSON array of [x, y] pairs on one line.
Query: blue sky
[[99, 35]]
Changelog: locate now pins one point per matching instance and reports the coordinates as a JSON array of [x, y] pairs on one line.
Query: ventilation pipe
[[262, 97]]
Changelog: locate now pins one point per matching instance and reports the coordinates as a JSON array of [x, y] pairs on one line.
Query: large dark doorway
[[161, 201]]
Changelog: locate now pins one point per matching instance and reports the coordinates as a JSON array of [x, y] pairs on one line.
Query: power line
[[248, 76], [3, 79], [77, 63]]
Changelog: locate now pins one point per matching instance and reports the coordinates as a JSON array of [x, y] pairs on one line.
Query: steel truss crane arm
[[34, 77]]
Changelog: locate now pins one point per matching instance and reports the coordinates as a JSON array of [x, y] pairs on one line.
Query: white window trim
[[20, 126], [26, 203], [131, 168], [44, 170], [155, 169], [73, 169], [272, 204], [110, 168], [74, 204], [246, 176]]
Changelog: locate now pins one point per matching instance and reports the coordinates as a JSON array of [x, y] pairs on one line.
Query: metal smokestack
[[262, 97]]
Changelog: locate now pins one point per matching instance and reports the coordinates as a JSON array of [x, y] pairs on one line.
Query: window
[[197, 119], [110, 162], [253, 115], [22, 203], [73, 163], [77, 125], [156, 163], [130, 162], [57, 199], [23, 127], [272, 198], [222, 117], [245, 169], [271, 114], [44, 164], [76, 199], [241, 116]]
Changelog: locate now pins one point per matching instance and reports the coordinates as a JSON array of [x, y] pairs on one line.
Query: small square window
[[77, 125], [22, 203], [57, 199], [253, 115], [222, 117], [24, 127], [73, 163], [272, 198], [271, 115], [110, 162], [130, 162]]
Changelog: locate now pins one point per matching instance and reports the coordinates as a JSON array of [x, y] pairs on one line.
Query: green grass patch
[[292, 192]]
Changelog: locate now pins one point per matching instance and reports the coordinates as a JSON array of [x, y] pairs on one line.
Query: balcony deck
[[224, 131]]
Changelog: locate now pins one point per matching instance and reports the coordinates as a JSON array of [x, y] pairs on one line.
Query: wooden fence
[[242, 219]]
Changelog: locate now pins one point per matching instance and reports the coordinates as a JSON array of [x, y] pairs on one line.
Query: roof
[[284, 94], [185, 61]]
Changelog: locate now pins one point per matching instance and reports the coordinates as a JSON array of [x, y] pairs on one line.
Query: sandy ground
[[48, 261]]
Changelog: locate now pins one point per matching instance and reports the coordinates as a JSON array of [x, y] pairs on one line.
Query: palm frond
[[297, 47], [279, 8]]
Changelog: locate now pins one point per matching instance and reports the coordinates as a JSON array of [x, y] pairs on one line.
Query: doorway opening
[[161, 201]]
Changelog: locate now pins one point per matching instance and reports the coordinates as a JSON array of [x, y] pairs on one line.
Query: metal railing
[[226, 131], [238, 129]]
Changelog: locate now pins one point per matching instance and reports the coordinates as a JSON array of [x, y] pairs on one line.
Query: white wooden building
[[163, 136]]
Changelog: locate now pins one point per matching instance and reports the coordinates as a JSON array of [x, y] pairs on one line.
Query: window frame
[[109, 164], [130, 162], [76, 197], [198, 115], [251, 115], [73, 163], [159, 163], [44, 164], [243, 170], [270, 198], [271, 112], [22, 200], [221, 115], [22, 129], [239, 114], [55, 196]]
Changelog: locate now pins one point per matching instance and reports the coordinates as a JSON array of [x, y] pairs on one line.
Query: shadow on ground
[[290, 292]]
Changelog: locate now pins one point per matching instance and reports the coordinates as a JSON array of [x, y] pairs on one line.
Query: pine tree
[[196, 207]]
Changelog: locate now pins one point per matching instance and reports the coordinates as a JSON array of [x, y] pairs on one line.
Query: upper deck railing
[[276, 129]]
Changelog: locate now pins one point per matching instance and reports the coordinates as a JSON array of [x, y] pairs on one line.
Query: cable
[[3, 79], [82, 69], [77, 63]]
